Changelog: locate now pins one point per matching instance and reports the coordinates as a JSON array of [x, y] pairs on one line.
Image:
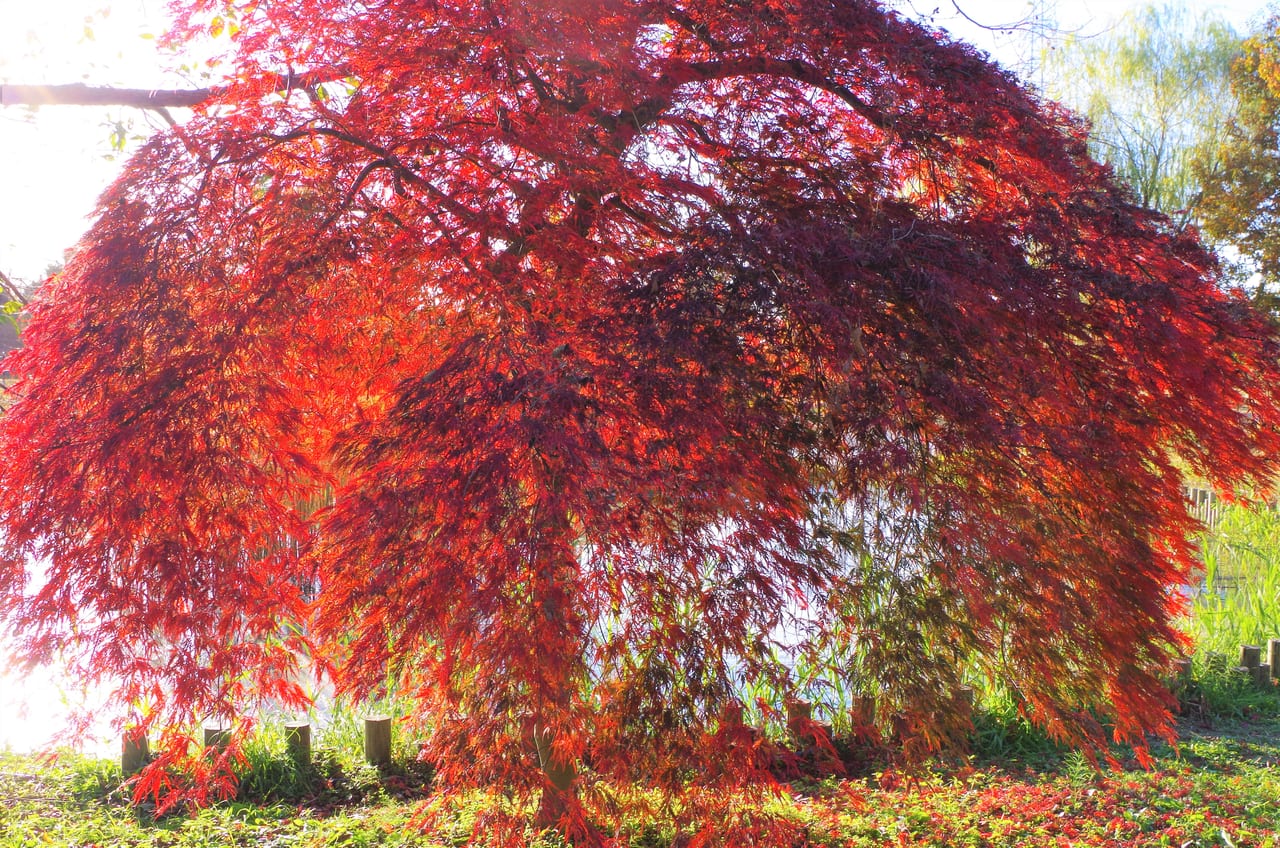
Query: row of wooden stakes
[[1263, 674], [136, 753], [135, 750]]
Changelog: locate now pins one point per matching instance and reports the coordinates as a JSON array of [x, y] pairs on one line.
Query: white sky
[[55, 161]]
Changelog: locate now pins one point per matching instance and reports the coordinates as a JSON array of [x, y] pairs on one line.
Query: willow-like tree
[[649, 354], [1158, 93]]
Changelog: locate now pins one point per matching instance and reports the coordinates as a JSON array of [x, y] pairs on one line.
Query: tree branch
[[79, 94], [796, 69], [10, 290]]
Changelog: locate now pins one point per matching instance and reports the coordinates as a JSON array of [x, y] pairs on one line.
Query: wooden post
[[1180, 677], [799, 717], [1262, 675], [1182, 669], [135, 751], [862, 714], [966, 696], [297, 740], [377, 740], [216, 736], [1273, 656], [1251, 655]]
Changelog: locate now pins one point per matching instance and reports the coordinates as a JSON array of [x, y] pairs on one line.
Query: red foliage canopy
[[646, 354]]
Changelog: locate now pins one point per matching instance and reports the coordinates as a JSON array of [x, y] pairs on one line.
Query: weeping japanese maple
[[645, 355]]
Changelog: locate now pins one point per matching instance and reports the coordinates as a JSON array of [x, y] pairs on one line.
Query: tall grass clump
[[1238, 601], [1001, 733], [1235, 602], [337, 771]]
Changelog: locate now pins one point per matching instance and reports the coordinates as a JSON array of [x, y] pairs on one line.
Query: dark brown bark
[[79, 94]]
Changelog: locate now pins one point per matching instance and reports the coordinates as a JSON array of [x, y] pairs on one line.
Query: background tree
[[653, 353], [1156, 90], [1238, 170], [12, 301]]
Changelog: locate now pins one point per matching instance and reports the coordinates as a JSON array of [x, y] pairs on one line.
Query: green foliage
[[1238, 171], [269, 772], [1157, 91], [1237, 602], [1240, 602], [1218, 788], [12, 302], [1002, 734], [1217, 691]]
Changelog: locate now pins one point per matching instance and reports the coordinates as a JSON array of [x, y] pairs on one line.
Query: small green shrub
[[1000, 732]]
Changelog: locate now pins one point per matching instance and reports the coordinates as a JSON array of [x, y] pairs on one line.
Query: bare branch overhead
[[79, 94]]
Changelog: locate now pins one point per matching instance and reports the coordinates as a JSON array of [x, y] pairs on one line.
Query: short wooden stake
[[799, 717], [216, 736], [966, 696], [297, 740], [1262, 675], [377, 740], [862, 714], [1273, 656], [1251, 655], [1182, 670], [135, 751]]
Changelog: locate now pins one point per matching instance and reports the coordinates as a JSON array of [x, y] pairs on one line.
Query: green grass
[[1002, 736], [1220, 787]]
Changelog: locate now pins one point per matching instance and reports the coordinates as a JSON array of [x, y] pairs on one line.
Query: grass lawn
[[1221, 787]]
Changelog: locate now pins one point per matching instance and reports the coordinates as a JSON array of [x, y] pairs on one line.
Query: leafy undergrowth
[[1221, 787]]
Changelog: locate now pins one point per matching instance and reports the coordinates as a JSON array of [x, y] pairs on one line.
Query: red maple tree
[[643, 354]]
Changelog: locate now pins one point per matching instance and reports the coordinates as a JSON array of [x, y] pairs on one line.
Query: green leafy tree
[[1156, 90], [1239, 172], [12, 302]]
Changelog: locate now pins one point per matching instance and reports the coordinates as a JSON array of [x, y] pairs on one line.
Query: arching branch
[[796, 69]]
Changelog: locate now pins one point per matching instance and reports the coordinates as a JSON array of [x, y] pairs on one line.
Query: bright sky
[[54, 162], [57, 160], [1083, 17]]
